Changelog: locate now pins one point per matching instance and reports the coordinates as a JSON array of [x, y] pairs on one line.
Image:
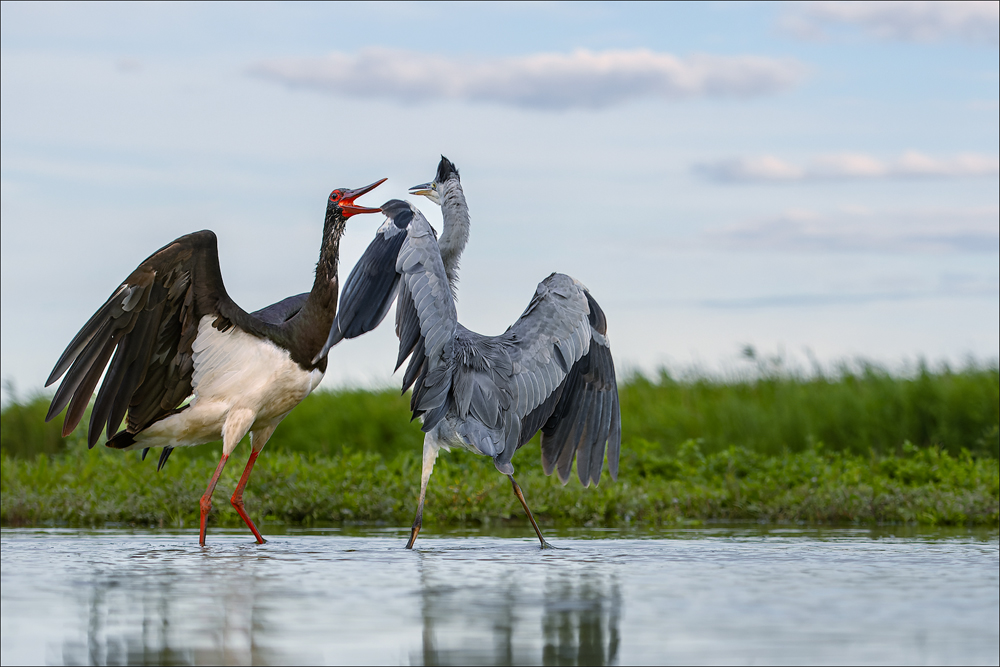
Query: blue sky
[[818, 180]]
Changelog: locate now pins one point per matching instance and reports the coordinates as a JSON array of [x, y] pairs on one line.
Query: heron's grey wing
[[564, 381], [282, 311], [149, 323], [371, 286], [426, 320]]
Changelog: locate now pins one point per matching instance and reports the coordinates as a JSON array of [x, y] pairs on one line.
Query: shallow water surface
[[717, 595]]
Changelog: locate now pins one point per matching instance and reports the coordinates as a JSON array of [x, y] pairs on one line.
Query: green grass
[[863, 446]]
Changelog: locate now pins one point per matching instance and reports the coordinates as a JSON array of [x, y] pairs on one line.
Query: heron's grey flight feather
[[551, 370], [371, 287], [422, 272]]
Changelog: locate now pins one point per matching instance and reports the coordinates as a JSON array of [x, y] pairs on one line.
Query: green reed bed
[[864, 445]]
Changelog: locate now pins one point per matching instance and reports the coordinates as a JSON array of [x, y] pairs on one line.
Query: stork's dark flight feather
[[149, 323], [189, 366]]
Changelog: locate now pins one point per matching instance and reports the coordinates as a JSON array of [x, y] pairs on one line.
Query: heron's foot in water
[[548, 545], [413, 535]]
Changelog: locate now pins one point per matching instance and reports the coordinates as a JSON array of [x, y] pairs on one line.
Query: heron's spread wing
[[371, 287], [426, 320], [149, 323], [563, 380]]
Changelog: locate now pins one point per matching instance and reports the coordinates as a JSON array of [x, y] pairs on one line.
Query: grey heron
[[177, 335], [552, 370]]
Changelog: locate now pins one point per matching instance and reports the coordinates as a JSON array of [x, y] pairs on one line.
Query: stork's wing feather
[[149, 323], [371, 287], [564, 382], [282, 311]]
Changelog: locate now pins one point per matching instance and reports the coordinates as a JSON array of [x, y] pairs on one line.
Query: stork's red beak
[[347, 202]]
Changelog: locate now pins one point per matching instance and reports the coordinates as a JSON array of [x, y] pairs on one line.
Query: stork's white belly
[[236, 377]]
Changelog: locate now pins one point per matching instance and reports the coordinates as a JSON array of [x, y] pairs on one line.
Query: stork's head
[[341, 201], [434, 190]]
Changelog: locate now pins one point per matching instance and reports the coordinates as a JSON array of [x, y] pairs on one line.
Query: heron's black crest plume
[[446, 169]]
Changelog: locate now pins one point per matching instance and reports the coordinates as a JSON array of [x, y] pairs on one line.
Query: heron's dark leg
[[237, 499], [206, 500], [430, 455], [520, 496]]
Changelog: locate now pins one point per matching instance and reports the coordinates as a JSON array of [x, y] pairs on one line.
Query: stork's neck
[[454, 236], [312, 325]]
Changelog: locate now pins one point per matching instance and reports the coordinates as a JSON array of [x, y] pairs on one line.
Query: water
[[720, 595]]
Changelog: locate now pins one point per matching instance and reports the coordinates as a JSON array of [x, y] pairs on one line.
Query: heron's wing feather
[[563, 380], [371, 286], [149, 324], [426, 321]]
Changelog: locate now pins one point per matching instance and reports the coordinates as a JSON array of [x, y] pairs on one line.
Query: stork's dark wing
[[149, 323], [564, 380], [371, 287], [282, 311]]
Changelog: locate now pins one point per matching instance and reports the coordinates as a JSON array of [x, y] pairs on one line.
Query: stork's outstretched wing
[[149, 323]]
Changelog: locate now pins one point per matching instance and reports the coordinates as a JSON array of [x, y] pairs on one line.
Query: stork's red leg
[[206, 500], [237, 499]]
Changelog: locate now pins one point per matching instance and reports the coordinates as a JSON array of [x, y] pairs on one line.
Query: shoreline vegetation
[[862, 446]]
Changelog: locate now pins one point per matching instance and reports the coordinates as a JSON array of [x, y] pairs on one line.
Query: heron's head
[[342, 201], [446, 172]]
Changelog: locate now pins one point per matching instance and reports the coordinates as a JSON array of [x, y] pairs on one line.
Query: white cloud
[[970, 22], [837, 166], [975, 230], [581, 79]]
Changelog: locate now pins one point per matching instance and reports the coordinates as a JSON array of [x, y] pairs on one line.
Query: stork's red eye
[[336, 195]]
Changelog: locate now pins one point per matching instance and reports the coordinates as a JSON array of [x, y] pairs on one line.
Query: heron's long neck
[[454, 236]]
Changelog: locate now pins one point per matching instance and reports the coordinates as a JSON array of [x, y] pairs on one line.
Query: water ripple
[[715, 595]]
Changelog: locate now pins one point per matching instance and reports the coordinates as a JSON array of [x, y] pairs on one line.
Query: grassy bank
[[863, 446]]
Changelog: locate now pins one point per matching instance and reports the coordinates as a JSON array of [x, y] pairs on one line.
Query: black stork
[[190, 366]]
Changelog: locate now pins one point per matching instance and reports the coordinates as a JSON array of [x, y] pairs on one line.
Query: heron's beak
[[425, 189], [348, 206]]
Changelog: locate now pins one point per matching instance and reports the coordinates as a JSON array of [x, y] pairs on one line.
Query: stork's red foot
[[206, 507], [237, 501], [206, 500]]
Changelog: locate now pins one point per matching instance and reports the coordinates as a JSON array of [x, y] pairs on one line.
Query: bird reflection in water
[[161, 623], [573, 621], [234, 609]]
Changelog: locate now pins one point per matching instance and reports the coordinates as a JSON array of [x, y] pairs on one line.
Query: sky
[[818, 181]]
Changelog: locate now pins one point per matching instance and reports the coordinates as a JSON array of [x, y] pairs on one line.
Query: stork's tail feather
[[122, 440], [164, 455]]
